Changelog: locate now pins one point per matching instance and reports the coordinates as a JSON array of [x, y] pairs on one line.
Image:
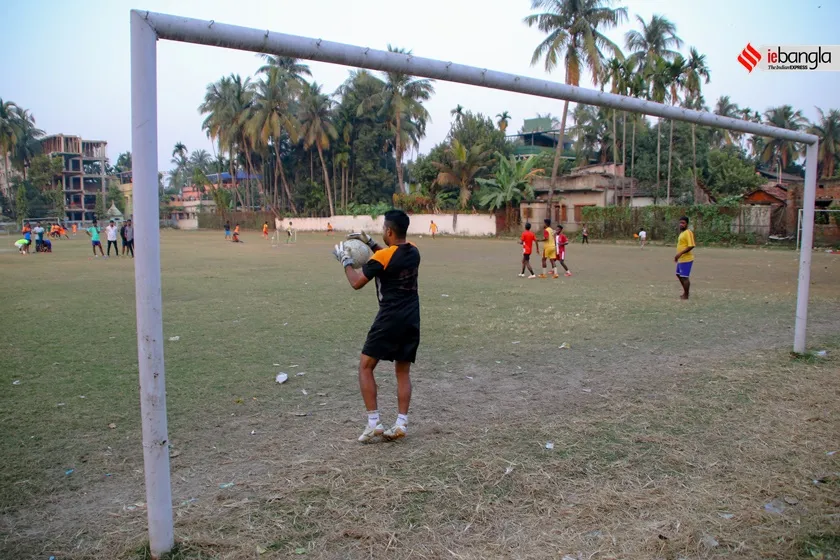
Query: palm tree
[[696, 72], [272, 118], [657, 39], [180, 150], [291, 67], [776, 149], [726, 108], [226, 104], [659, 77], [8, 133], [504, 118], [401, 103], [457, 113], [510, 184], [677, 71], [573, 29], [828, 129], [27, 143], [462, 168], [614, 75], [316, 128]]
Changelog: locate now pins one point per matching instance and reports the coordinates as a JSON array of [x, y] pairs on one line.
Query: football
[[360, 252]]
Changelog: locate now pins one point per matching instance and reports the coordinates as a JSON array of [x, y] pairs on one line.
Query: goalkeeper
[[395, 333]]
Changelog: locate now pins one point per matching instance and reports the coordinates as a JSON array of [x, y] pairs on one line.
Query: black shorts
[[394, 339], [526, 257]]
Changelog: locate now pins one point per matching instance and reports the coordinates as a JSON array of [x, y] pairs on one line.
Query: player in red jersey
[[560, 241], [528, 240]]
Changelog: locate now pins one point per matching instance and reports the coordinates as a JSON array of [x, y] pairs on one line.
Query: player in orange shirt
[[265, 230], [528, 240], [75, 229], [329, 229], [236, 234]]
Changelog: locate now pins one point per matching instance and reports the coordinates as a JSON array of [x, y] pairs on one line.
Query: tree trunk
[[283, 180], [326, 179], [670, 155], [694, 155], [615, 141], [658, 151], [557, 152], [311, 168], [398, 154]]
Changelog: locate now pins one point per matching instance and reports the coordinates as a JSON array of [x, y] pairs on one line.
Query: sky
[[68, 62]]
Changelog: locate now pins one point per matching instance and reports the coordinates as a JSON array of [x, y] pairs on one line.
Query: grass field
[[680, 429]]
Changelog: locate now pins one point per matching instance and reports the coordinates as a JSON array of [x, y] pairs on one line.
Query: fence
[[710, 223]]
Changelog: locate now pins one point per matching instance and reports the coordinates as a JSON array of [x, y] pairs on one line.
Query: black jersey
[[395, 270]]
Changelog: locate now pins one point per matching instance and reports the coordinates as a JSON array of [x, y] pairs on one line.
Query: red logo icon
[[749, 57]]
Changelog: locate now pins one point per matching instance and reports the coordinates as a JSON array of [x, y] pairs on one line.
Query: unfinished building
[[83, 175]]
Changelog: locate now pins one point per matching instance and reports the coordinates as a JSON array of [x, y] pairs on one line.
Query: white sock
[[373, 418], [402, 419], [543, 271]]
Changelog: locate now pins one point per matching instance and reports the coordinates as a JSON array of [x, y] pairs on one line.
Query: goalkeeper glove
[[342, 255], [364, 238]]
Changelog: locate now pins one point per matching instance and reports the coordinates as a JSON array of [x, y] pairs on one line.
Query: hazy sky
[[68, 61]]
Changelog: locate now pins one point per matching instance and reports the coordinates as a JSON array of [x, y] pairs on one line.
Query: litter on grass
[[225, 485], [281, 377], [16, 382], [174, 338], [549, 445]]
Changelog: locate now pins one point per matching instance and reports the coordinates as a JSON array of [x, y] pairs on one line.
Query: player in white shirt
[[642, 238], [111, 232]]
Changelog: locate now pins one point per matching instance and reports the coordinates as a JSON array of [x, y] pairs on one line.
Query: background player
[[642, 238], [561, 241], [685, 256], [549, 250], [433, 228], [265, 230], [528, 241], [395, 333]]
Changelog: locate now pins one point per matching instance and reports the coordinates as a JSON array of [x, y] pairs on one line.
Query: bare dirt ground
[[679, 429]]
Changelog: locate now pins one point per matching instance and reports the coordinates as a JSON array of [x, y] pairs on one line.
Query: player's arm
[[356, 278]]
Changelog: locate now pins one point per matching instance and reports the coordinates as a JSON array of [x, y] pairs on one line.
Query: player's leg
[[554, 268], [101, 252], [367, 385], [563, 264], [544, 260], [400, 427]]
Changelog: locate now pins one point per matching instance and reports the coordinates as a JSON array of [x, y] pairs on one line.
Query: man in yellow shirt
[[685, 256], [549, 250]]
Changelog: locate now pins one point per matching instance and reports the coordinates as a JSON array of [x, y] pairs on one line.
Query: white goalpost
[[147, 28]]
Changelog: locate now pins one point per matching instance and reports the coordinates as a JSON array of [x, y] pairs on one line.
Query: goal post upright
[[148, 27], [144, 143]]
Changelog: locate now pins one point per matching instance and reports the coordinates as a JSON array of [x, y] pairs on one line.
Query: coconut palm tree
[[658, 75], [614, 72], [457, 113], [317, 129], [504, 118], [726, 108], [272, 117], [8, 133], [573, 35], [509, 185], [828, 129], [657, 39], [27, 143], [696, 73], [463, 167], [291, 67], [677, 71], [783, 152], [401, 103]]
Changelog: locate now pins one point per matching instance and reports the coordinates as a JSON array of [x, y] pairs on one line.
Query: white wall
[[475, 225], [187, 223]]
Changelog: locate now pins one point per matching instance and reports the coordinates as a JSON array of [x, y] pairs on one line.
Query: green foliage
[[21, 203], [372, 210], [115, 196], [509, 185], [99, 209], [730, 173], [414, 203], [711, 223], [43, 171]]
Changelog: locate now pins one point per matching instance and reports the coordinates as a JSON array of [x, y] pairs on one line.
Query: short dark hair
[[398, 221], [559, 227], [684, 219], [547, 221], [527, 225]]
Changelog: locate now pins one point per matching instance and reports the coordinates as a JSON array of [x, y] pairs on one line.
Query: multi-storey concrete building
[[83, 175]]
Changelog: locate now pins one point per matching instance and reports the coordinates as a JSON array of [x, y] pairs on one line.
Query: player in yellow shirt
[[685, 256], [433, 229], [549, 250], [265, 230]]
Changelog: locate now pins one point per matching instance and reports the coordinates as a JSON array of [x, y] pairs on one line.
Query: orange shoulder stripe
[[383, 256]]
